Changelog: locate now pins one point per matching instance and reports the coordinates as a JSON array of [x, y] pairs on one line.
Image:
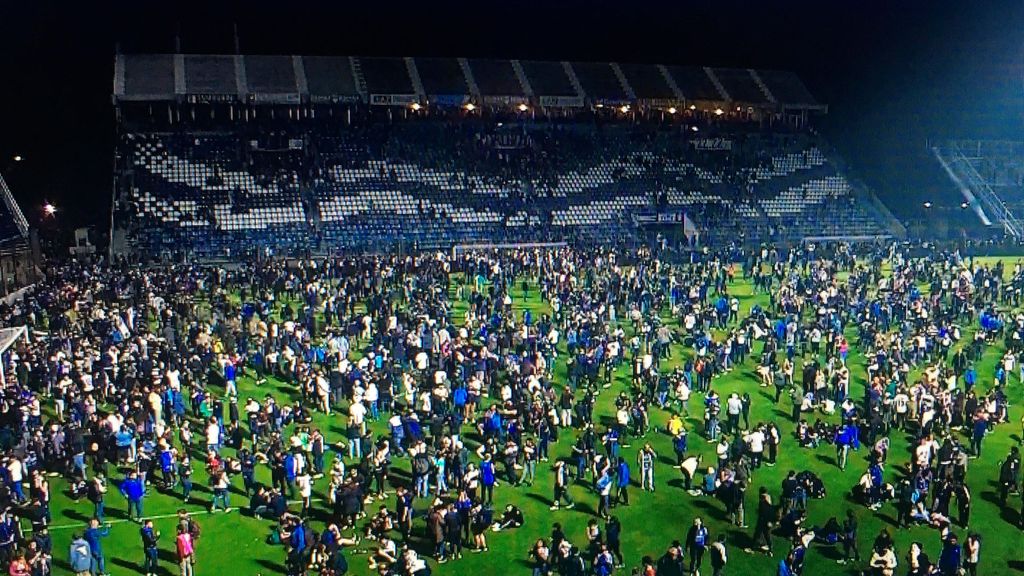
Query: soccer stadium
[[323, 291]]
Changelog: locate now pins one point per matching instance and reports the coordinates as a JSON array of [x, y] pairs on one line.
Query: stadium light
[[523, 107], [469, 106], [49, 209], [672, 110], [719, 111], [415, 106]]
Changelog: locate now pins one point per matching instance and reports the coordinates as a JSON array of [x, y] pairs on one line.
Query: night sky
[[893, 73]]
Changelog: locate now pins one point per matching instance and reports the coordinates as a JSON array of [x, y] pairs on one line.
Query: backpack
[[194, 530], [420, 464], [339, 564]]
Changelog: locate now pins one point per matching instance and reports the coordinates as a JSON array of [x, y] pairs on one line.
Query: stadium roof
[[401, 81]]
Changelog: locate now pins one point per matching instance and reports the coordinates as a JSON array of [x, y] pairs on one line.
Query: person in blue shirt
[[296, 544], [8, 535], [978, 430], [229, 378], [949, 558], [622, 477], [697, 541], [94, 535], [487, 479], [133, 491], [290, 473], [784, 566], [877, 481]]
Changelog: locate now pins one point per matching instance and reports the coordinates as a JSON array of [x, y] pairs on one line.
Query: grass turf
[[235, 544]]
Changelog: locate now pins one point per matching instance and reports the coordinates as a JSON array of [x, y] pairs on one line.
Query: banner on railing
[[393, 99], [671, 217], [712, 144], [268, 98], [561, 101], [448, 99], [334, 99]]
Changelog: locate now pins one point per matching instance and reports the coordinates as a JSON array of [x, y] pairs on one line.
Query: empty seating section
[[386, 76], [647, 81], [495, 77], [149, 74], [599, 81], [329, 76], [694, 83], [270, 74], [439, 183], [548, 78], [740, 85], [210, 74], [787, 87], [441, 76]]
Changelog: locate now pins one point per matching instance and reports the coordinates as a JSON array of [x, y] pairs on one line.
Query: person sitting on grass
[[709, 485], [511, 518], [385, 555]]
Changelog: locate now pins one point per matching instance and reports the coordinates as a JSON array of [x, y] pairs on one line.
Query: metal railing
[[965, 175]]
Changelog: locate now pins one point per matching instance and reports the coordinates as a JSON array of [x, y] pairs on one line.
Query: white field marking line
[[124, 520], [144, 518]]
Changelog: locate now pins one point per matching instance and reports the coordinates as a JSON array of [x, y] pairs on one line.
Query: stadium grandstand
[[990, 176], [17, 263], [221, 153]]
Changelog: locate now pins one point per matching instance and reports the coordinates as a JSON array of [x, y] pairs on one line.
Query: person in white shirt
[[734, 407], [323, 391], [371, 396], [755, 440], [357, 416], [213, 435]]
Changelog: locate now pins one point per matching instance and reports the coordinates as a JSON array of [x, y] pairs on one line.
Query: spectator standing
[[696, 544], [94, 535], [79, 555], [150, 538], [718, 555], [134, 492], [186, 552]]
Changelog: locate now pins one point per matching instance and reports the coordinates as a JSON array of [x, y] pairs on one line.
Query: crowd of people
[[450, 394]]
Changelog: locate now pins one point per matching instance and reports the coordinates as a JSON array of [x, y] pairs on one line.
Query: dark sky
[[893, 73]]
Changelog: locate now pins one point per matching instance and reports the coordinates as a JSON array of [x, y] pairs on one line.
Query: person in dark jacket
[[613, 539], [765, 517], [671, 563], [150, 538], [849, 536], [453, 532]]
